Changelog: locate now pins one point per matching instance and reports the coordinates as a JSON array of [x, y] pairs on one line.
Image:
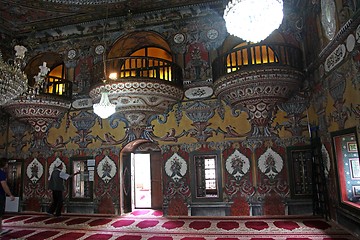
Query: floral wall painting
[[35, 170], [176, 167], [106, 169], [270, 163], [237, 164]]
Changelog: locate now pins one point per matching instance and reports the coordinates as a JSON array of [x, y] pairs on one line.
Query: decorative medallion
[[199, 92], [270, 163], [212, 34], [237, 164], [335, 57], [106, 169], [82, 103], [350, 42], [34, 170], [328, 19], [71, 54], [176, 167], [179, 38], [99, 49]]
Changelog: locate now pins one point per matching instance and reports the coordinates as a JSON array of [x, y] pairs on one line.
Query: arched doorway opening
[[140, 176]]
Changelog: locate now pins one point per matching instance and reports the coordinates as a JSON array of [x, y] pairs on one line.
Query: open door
[[156, 180], [142, 180], [126, 182], [128, 191]]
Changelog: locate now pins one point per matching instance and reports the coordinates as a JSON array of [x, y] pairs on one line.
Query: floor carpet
[[149, 224]]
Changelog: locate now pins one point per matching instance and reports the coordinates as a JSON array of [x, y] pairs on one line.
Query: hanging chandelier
[[253, 20], [104, 108], [13, 81]]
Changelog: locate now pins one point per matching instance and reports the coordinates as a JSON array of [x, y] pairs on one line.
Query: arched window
[[151, 62], [55, 81], [143, 55], [155, 52]]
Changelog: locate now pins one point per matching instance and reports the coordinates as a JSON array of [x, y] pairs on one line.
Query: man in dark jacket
[[56, 185]]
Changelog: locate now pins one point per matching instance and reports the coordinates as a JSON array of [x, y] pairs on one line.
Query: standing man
[[57, 186], [4, 189]]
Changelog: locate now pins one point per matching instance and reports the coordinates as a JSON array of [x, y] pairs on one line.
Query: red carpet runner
[[149, 224]]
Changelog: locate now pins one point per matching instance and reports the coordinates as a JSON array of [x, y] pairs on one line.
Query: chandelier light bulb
[[113, 76], [104, 108], [253, 20]]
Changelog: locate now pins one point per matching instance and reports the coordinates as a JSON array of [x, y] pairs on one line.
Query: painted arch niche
[[130, 43]]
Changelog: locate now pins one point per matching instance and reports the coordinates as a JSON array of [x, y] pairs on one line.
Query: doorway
[[141, 180], [134, 189]]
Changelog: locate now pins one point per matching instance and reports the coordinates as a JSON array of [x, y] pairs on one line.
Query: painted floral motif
[[176, 167], [34, 170], [270, 163], [237, 164], [106, 169]]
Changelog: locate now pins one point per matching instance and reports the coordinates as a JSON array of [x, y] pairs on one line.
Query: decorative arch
[[131, 42], [52, 60]]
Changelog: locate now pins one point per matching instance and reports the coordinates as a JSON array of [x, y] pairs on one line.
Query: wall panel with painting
[[347, 165]]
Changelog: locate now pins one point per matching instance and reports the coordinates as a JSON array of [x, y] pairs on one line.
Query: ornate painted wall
[[254, 173]]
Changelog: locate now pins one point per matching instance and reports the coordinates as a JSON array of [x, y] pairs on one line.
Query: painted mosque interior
[[227, 127]]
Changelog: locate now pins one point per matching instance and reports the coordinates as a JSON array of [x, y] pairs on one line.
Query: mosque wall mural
[[254, 166]]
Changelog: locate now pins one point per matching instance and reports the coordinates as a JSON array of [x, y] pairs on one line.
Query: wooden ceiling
[[19, 17]]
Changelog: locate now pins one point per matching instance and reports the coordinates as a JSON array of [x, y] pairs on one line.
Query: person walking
[[4, 190], [57, 186]]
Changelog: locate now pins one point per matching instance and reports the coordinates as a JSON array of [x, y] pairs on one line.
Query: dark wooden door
[[126, 182], [156, 180]]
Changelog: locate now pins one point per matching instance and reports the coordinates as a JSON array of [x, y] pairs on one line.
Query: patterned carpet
[[149, 224]]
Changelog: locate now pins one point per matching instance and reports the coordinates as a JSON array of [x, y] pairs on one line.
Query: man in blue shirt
[[4, 189]]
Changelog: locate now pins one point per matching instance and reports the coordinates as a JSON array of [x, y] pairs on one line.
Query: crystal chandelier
[[13, 81], [104, 108], [253, 20]]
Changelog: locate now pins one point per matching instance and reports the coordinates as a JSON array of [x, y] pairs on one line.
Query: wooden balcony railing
[[145, 67], [57, 87], [251, 55]]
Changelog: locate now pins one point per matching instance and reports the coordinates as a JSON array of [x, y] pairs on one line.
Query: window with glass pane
[[55, 81], [81, 188], [206, 176], [210, 171]]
